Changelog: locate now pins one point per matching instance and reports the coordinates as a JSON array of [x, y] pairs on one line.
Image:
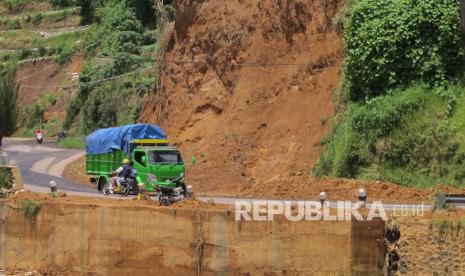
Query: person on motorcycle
[[39, 135], [61, 134], [121, 173]]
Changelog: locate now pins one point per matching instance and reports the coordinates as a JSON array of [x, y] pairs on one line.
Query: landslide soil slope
[[248, 124], [44, 77]]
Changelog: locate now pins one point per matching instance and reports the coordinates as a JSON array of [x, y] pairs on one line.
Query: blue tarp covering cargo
[[118, 138]]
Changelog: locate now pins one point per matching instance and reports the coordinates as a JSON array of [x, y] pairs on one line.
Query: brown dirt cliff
[[248, 115]]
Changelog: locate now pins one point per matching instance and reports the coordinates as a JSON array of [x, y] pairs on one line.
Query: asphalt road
[[41, 164]]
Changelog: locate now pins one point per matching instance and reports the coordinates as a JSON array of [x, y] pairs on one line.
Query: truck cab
[[157, 164]]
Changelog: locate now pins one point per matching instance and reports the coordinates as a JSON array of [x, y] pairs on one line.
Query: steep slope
[[40, 83], [248, 124]]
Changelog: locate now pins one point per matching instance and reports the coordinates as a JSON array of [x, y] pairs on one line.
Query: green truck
[[154, 159]]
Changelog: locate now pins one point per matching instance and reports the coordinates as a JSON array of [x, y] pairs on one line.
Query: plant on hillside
[[403, 118], [8, 100], [404, 137], [393, 43], [30, 208], [35, 115], [113, 47], [6, 181]]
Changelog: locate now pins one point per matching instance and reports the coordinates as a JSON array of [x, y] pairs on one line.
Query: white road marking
[[43, 165]]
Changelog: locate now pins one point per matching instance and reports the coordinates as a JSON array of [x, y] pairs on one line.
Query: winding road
[[41, 164]]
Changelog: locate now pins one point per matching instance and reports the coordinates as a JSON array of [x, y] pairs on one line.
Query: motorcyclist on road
[[61, 134], [39, 135], [120, 174]]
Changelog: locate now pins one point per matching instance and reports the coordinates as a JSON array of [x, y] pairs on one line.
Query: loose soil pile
[[63, 198], [76, 172]]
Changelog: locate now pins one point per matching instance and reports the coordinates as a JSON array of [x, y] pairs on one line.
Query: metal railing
[[443, 199]]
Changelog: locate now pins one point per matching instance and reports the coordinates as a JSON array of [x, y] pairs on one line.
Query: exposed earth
[[249, 117]]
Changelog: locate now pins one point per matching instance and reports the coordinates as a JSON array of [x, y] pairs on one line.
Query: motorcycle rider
[[122, 173], [61, 134], [38, 132]]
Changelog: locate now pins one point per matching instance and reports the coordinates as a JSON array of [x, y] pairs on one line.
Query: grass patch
[[30, 208], [72, 143], [411, 137]]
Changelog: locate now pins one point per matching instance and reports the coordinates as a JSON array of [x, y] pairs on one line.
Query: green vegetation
[[36, 115], [30, 208], [117, 45], [404, 109], [8, 100], [6, 181], [72, 143], [44, 19], [392, 43]]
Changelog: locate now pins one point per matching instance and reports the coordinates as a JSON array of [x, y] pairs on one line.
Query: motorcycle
[[61, 136], [124, 188], [129, 185], [168, 195], [39, 137]]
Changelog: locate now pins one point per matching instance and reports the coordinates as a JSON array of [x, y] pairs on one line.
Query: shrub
[[29, 207], [37, 19], [6, 181], [42, 51], [36, 114], [66, 52], [392, 43], [14, 24]]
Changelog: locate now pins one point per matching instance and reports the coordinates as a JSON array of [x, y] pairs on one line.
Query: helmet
[[125, 161]]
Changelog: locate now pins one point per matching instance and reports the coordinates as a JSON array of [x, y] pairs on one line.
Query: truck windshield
[[165, 157]]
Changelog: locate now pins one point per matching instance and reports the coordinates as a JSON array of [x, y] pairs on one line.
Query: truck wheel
[[101, 184]]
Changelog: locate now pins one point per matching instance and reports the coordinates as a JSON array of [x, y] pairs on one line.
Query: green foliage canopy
[[394, 43]]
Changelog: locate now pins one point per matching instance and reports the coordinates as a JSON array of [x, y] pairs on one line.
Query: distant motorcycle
[[168, 195], [61, 135], [39, 137]]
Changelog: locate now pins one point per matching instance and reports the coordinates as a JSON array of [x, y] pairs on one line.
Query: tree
[[8, 100]]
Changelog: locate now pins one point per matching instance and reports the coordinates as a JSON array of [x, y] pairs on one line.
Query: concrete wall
[[432, 246], [136, 240]]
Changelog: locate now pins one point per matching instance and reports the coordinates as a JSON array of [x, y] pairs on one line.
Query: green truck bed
[[103, 164]]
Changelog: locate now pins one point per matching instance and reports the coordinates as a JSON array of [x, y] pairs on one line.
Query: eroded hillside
[[259, 98]]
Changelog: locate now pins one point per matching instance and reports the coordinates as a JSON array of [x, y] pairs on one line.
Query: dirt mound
[[76, 172], [249, 116], [347, 189]]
